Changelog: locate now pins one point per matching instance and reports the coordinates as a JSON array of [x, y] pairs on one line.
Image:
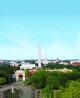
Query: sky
[[52, 24]]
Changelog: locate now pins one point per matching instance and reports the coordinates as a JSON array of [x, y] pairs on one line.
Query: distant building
[[56, 61], [75, 62], [27, 66], [64, 63], [14, 63], [1, 61], [45, 61]]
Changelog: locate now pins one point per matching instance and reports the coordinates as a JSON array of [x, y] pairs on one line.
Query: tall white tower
[[39, 58]]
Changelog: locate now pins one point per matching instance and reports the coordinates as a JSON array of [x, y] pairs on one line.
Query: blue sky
[[54, 24]]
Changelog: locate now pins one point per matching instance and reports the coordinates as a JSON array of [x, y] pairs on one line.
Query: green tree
[[53, 82], [72, 91], [2, 81], [38, 80], [27, 72]]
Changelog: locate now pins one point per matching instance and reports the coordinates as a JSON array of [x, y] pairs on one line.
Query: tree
[[52, 82], [72, 91], [38, 80], [6, 71], [2, 81], [27, 72]]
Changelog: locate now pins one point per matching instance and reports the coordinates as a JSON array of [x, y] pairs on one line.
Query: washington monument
[[39, 56]]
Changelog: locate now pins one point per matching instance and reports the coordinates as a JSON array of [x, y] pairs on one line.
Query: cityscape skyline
[[54, 24]]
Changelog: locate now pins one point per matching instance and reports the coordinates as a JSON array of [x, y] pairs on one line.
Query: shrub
[[2, 81]]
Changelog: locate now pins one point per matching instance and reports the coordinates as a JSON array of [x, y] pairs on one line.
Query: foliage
[[2, 81], [52, 82], [8, 93], [72, 91], [27, 72], [61, 66], [57, 84], [14, 68], [6, 72], [38, 80]]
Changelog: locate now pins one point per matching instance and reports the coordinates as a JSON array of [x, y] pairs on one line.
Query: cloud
[[63, 51], [24, 47], [27, 49], [19, 43]]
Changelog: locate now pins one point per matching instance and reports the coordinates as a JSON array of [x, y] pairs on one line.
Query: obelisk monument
[[39, 56]]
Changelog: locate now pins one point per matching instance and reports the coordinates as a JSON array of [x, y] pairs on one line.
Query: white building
[[64, 63], [14, 63], [56, 61], [45, 61], [27, 66]]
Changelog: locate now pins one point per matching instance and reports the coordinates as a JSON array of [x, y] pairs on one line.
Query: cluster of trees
[[6, 72], [72, 90], [60, 66], [37, 80], [56, 84]]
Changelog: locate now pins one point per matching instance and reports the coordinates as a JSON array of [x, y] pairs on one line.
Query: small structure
[[18, 73]]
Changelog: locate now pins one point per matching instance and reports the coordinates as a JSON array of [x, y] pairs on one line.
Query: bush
[[2, 81]]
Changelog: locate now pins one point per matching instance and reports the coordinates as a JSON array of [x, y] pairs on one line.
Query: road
[[27, 91]]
